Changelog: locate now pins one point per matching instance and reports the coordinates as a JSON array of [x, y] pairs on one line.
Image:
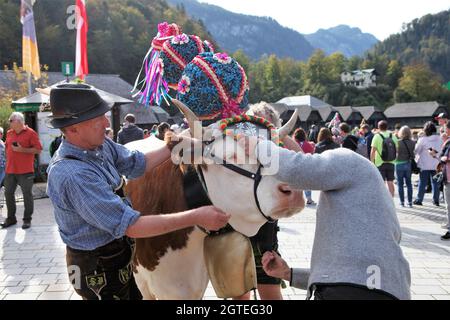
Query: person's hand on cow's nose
[[211, 218]]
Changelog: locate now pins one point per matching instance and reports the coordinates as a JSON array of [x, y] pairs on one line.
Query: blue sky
[[378, 17]]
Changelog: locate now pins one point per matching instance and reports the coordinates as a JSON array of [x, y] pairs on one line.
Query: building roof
[[355, 72], [304, 113], [412, 110], [279, 107], [326, 112], [322, 107], [35, 98], [368, 111], [345, 112], [106, 82], [304, 101]]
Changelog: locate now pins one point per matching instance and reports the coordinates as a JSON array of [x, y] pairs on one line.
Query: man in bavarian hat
[[84, 185]]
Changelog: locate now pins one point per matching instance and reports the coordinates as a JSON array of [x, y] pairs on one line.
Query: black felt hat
[[73, 103]]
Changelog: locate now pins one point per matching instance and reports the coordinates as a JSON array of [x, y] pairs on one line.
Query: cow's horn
[[289, 126], [190, 116]]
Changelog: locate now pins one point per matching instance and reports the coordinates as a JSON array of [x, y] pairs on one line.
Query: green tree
[[354, 63], [18, 89], [336, 65], [272, 77], [316, 73], [242, 59], [420, 83], [394, 73]]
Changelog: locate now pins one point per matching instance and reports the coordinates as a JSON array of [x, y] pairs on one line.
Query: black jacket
[[350, 142], [325, 145], [130, 134]]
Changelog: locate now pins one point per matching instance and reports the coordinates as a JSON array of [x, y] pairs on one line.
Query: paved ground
[[32, 265]]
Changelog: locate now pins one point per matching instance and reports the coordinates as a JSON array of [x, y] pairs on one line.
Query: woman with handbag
[[427, 149], [403, 165]]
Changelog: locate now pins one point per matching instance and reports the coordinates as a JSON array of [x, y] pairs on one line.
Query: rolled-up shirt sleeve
[[97, 204], [129, 163]]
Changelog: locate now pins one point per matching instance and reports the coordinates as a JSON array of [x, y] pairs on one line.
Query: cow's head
[[250, 202]]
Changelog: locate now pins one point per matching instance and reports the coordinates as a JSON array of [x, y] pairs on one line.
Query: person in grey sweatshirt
[[356, 252]]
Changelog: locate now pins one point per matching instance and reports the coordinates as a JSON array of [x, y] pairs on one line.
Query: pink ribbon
[[231, 109]]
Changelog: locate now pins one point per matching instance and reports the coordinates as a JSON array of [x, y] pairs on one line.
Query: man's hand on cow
[[211, 218], [172, 139], [275, 266], [188, 148]]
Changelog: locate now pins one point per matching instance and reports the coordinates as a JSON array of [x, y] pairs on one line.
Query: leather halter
[[256, 177], [196, 190]]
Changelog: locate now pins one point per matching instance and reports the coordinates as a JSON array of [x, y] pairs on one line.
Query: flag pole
[[30, 89]]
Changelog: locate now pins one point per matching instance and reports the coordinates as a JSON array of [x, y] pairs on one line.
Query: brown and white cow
[[172, 266]]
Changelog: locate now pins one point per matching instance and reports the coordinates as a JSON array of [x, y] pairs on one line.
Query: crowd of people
[[397, 154]]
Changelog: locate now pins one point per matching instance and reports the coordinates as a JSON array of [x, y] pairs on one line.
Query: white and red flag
[[81, 65]]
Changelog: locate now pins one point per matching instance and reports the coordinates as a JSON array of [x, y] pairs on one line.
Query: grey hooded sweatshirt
[[357, 231]]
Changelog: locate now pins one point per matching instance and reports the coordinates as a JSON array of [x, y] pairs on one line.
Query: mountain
[[350, 41], [256, 36], [425, 40]]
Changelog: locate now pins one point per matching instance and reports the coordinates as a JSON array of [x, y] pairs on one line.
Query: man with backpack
[[383, 154]]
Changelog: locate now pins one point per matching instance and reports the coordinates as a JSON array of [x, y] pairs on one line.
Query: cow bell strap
[[194, 191]]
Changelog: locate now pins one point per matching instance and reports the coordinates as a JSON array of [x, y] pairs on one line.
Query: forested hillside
[[119, 35], [425, 40]]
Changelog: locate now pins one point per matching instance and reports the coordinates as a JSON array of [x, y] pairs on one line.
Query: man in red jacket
[[22, 144]]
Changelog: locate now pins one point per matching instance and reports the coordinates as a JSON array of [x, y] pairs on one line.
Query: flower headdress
[[170, 52], [214, 87]]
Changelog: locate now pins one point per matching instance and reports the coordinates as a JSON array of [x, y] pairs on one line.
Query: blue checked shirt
[[88, 212]]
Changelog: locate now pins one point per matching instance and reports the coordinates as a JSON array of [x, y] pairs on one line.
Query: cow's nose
[[289, 194], [285, 189]]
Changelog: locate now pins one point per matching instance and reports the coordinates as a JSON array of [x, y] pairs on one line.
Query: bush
[[5, 111]]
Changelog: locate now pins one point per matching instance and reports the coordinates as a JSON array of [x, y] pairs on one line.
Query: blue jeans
[[425, 176], [403, 173], [2, 176], [308, 194]]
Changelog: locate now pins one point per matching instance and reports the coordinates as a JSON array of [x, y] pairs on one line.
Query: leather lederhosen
[[104, 273]]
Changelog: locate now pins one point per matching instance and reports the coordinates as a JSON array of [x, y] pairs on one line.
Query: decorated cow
[[173, 266], [213, 95]]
